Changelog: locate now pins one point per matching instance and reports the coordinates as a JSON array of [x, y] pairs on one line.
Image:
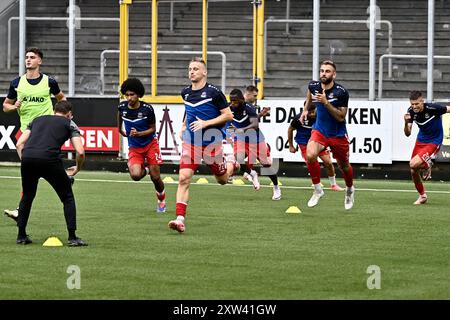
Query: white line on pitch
[[247, 185]]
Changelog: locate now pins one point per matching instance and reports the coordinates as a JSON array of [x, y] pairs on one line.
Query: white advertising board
[[375, 130]]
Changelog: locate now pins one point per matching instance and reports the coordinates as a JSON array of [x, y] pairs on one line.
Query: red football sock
[[420, 188], [161, 196], [314, 171], [180, 209], [348, 176]]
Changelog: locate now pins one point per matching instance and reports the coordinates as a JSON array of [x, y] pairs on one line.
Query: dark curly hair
[[133, 84]]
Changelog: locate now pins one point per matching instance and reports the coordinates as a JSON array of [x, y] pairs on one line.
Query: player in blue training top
[[138, 119], [428, 118], [203, 131], [249, 141], [302, 135], [331, 102]]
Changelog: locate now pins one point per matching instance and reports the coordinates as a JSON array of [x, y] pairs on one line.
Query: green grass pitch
[[238, 244]]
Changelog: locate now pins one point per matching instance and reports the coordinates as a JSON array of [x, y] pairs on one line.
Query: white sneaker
[[315, 198], [276, 193], [349, 198], [422, 199], [255, 180], [248, 177], [177, 225], [13, 214]]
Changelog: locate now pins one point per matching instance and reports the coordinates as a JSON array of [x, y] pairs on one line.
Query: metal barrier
[[103, 62], [270, 20], [398, 56], [8, 64]]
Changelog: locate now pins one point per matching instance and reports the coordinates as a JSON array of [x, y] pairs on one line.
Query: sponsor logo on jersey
[[33, 99]]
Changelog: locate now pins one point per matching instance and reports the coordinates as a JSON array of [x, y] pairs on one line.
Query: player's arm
[[408, 124], [338, 113], [120, 124], [291, 139], [183, 127], [21, 142], [264, 112], [60, 96], [254, 124], [55, 90], [151, 130], [306, 106], [448, 109], [78, 146], [225, 116], [10, 105]]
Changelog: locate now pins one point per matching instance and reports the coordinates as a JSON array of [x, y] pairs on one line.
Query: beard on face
[[325, 80]]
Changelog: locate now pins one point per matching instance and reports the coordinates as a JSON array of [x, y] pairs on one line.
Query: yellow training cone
[[238, 182], [279, 183], [202, 181], [293, 209], [52, 242], [168, 179]]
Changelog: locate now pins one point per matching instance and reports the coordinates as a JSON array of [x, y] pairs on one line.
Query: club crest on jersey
[[186, 96], [203, 95], [139, 115], [331, 96], [427, 116]]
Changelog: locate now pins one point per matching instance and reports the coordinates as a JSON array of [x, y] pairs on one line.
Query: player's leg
[[30, 179], [184, 181], [417, 162], [189, 162], [13, 213], [328, 164], [266, 161], [340, 147], [316, 144], [57, 177], [415, 165], [154, 159], [136, 168], [222, 168], [159, 187], [239, 151], [251, 151], [421, 159]]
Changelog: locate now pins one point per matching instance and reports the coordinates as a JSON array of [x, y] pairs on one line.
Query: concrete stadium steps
[[230, 30]]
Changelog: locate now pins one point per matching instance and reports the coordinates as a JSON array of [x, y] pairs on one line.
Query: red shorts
[[212, 155], [303, 150], [150, 152], [253, 151], [425, 151], [340, 146]]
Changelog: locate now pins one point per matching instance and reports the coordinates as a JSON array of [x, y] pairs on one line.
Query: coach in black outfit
[[39, 149]]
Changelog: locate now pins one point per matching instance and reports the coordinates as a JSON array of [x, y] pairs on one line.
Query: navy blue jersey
[[429, 122], [303, 131], [205, 104], [12, 93], [141, 119], [325, 123], [241, 119]]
